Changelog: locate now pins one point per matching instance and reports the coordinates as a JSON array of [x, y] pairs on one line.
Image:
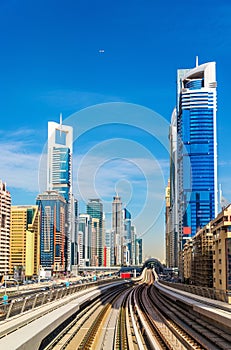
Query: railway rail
[[82, 333], [138, 316]]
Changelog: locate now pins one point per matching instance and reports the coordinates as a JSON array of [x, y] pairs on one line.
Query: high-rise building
[[94, 243], [133, 240], [25, 240], [221, 231], [95, 210], [193, 176], [52, 232], [173, 224], [139, 251], [59, 177], [84, 239], [5, 207], [127, 241], [117, 228], [74, 240], [109, 249], [167, 231]]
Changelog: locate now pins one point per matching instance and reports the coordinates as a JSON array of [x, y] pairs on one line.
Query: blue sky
[[50, 63]]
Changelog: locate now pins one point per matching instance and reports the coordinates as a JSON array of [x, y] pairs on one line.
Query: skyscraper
[[117, 228], [127, 240], [95, 210], [172, 258], [167, 231], [84, 239], [52, 232], [193, 174], [59, 176], [5, 207], [25, 240]]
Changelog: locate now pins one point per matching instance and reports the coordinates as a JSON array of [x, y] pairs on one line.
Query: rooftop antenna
[[223, 201], [61, 119], [196, 61]]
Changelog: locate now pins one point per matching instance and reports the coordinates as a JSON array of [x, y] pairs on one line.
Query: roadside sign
[[5, 299]]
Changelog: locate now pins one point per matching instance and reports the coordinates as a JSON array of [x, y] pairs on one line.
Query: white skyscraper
[[117, 228], [59, 175]]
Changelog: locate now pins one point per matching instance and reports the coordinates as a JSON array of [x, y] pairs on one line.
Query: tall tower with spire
[[59, 175], [193, 177]]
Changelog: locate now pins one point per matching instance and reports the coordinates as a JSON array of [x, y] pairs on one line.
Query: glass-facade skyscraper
[[193, 174], [127, 241], [95, 210], [52, 231]]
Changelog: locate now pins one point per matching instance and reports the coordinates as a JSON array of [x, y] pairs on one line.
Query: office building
[[5, 207], [95, 242], [95, 210], [221, 232], [167, 231], [207, 258], [117, 228], [193, 170], [59, 178], [139, 251], [84, 239], [133, 246], [74, 235], [25, 241], [127, 241], [52, 208], [173, 216]]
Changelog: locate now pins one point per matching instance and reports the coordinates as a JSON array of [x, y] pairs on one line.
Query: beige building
[[207, 256], [95, 244], [25, 240], [221, 231], [5, 207], [202, 263], [168, 242], [187, 258]]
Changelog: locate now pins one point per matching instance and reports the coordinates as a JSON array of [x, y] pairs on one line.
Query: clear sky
[[67, 56]]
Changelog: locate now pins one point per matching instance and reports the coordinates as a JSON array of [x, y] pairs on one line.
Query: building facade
[[202, 264], [193, 170], [127, 239], [59, 178], [139, 251], [84, 239], [167, 227], [207, 256], [221, 231], [25, 240], [5, 209], [95, 210], [52, 208], [173, 221], [117, 228]]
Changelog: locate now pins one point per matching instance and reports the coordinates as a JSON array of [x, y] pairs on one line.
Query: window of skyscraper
[[60, 137]]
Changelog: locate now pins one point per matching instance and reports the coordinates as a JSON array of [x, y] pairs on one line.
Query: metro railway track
[[205, 335], [122, 327], [138, 317], [81, 332]]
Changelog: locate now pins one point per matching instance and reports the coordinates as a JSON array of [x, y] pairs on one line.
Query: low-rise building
[[221, 231]]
